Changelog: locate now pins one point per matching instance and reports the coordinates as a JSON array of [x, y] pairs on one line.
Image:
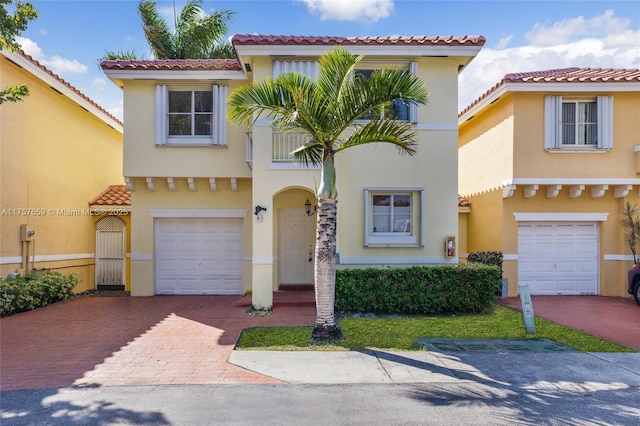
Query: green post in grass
[[527, 308]]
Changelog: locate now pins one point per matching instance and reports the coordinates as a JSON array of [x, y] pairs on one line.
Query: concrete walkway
[[589, 371]]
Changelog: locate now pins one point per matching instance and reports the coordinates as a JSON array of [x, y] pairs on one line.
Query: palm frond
[[156, 30], [382, 131], [308, 154]]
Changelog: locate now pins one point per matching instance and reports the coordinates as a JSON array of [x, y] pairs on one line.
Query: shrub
[[34, 291], [435, 290], [487, 258]]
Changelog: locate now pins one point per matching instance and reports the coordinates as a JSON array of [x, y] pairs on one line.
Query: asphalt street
[[465, 403], [364, 388]]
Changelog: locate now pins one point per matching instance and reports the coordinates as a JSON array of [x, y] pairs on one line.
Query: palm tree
[[325, 110], [196, 36]]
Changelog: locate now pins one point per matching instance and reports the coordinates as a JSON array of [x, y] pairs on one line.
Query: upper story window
[[393, 217], [578, 123], [191, 115], [400, 110]]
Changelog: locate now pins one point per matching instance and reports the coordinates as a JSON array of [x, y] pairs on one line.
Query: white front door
[[199, 255], [558, 257], [110, 252], [296, 246]]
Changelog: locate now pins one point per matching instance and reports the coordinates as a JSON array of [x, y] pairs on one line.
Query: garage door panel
[[587, 230], [564, 230], [542, 248], [199, 256], [558, 258], [586, 247], [565, 267], [543, 230]]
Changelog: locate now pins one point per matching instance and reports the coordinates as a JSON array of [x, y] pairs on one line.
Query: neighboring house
[[59, 150], [548, 160], [221, 209]]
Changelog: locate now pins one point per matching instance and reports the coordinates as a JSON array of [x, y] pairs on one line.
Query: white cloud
[[100, 84], [504, 42], [61, 65], [55, 63], [608, 43], [351, 10], [568, 30]]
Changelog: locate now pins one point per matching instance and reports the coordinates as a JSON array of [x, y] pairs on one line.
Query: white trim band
[[571, 181], [561, 217], [264, 260], [437, 126], [47, 258], [427, 260], [509, 257], [620, 257]]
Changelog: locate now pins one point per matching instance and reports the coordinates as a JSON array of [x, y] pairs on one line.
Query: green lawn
[[399, 333]]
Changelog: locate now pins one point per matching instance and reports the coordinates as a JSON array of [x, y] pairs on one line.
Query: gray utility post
[[527, 308]]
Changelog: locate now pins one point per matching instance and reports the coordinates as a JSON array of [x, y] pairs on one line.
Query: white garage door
[[198, 255], [558, 258]]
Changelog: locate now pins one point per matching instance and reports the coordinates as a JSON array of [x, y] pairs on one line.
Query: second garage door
[[198, 256], [558, 258]]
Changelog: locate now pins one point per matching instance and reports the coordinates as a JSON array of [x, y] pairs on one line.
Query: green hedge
[[433, 290], [34, 291], [487, 258]]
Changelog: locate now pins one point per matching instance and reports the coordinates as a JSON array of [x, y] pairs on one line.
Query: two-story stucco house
[[59, 150], [548, 160], [222, 209]]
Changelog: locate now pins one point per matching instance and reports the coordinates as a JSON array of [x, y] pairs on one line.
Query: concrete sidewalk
[[588, 371]]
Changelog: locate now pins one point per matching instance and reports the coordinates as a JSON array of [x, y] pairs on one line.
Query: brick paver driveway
[[120, 341]]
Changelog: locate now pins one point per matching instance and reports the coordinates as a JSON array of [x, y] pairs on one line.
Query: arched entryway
[[111, 234], [296, 237]]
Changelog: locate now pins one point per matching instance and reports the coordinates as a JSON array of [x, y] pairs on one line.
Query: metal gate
[[110, 252]]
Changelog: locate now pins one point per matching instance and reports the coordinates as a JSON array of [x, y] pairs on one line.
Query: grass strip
[[399, 333]]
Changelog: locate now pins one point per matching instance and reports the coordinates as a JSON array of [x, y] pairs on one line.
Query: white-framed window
[[393, 217], [401, 110], [578, 122], [191, 115]]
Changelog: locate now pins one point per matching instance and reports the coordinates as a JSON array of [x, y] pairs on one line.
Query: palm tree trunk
[[325, 271]]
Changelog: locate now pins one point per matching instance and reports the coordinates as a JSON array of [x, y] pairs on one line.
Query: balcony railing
[[282, 144], [249, 148]]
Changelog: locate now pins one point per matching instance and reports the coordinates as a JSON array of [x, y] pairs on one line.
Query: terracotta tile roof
[[565, 75], [114, 195], [463, 202], [576, 75], [69, 86], [173, 64], [257, 39]]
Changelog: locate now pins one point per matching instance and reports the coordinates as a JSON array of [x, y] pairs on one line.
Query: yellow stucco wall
[[433, 168], [143, 225], [55, 156], [506, 140], [530, 159], [486, 149], [143, 158]]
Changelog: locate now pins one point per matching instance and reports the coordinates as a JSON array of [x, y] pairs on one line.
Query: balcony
[[282, 144]]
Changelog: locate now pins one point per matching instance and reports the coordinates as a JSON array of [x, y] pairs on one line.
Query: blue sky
[[70, 36]]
